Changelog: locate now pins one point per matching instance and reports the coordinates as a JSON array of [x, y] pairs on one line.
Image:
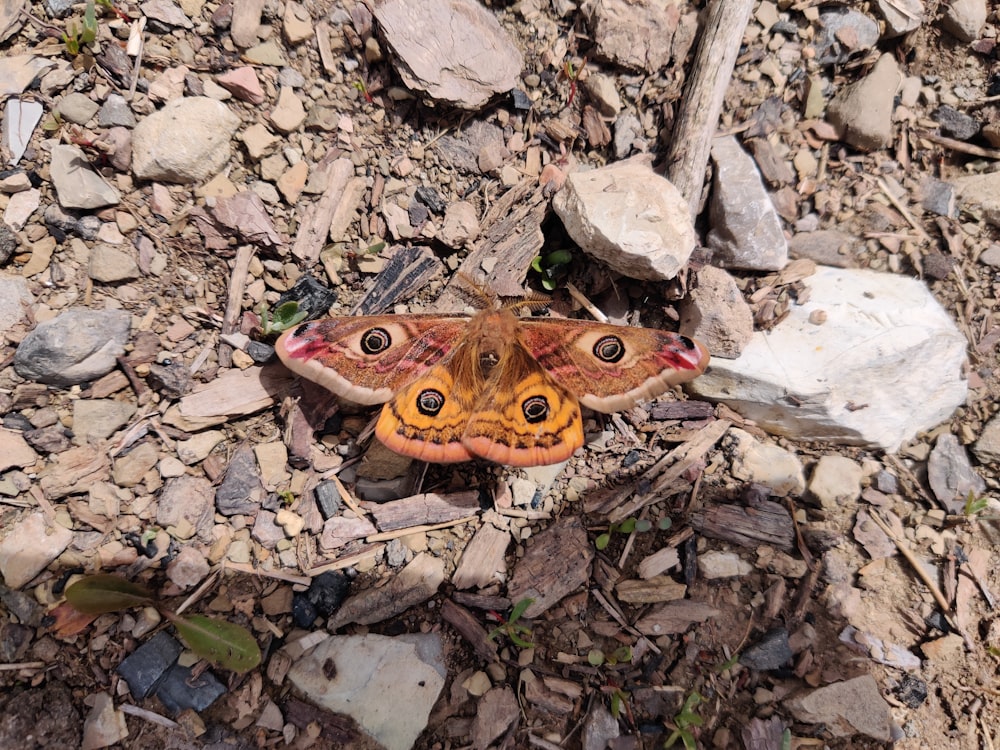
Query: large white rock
[[886, 364], [629, 217], [388, 685]]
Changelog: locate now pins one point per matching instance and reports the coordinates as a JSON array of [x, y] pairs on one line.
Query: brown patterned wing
[[369, 359], [610, 367]]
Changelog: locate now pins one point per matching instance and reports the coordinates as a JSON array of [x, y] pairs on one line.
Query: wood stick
[[234, 300], [702, 101]]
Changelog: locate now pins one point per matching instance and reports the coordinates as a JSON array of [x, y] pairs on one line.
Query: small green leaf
[[224, 644], [664, 523], [536, 264], [285, 316], [602, 541], [627, 526], [623, 654], [102, 593], [595, 657], [643, 525], [519, 609], [558, 258]]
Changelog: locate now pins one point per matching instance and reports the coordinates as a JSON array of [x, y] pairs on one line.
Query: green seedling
[[224, 644], [619, 702], [285, 316], [511, 627], [621, 655], [975, 505], [552, 267], [76, 37], [684, 721], [625, 527]]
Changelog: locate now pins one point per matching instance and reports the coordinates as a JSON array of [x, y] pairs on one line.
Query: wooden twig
[[904, 550], [960, 146], [701, 104], [385, 536], [884, 187]]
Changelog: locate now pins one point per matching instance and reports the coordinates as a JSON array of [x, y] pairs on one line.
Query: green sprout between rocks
[[78, 37], [685, 719], [224, 644], [511, 628], [285, 316], [552, 267], [975, 505], [628, 526], [619, 697]]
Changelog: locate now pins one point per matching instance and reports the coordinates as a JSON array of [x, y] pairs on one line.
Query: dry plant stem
[[276, 574], [368, 553], [701, 104], [149, 716], [960, 146], [234, 300], [198, 592], [903, 210], [904, 550], [386, 536], [15, 666], [587, 305]]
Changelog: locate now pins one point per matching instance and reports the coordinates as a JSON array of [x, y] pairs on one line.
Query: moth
[[492, 385]]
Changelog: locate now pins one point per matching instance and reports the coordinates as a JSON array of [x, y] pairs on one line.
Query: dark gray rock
[[144, 668], [74, 347]]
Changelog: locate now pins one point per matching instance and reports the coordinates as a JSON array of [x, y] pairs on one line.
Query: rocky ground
[[796, 551]]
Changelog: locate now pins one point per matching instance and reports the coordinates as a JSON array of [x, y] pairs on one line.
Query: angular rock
[[77, 108], [76, 346], [950, 474], [851, 379], [862, 112], [964, 19], [828, 247], [109, 264], [387, 685], [715, 313], [835, 481], [844, 32], [769, 465], [186, 141], [76, 182], [746, 231], [637, 34], [980, 195], [15, 451], [96, 419], [29, 546], [628, 217], [846, 708], [439, 64], [187, 501], [987, 447], [15, 301], [901, 16], [104, 725], [19, 122]]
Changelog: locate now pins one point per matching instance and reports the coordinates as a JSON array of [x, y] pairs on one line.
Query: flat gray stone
[[432, 40], [96, 419], [109, 264], [77, 183], [74, 347]]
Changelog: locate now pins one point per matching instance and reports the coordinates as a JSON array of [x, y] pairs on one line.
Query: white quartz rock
[[885, 364]]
